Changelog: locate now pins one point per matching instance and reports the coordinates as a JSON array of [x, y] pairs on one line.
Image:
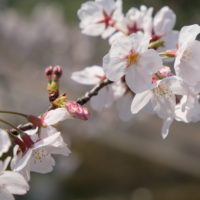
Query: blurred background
[[111, 159]]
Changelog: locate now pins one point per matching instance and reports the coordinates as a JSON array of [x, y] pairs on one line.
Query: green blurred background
[[110, 160]]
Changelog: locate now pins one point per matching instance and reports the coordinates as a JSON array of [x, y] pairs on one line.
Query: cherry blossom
[[187, 55], [163, 99], [189, 109], [162, 28], [33, 152], [11, 182], [93, 75], [137, 20], [99, 17], [131, 57]]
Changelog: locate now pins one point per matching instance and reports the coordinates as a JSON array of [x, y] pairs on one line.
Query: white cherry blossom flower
[[188, 110], [11, 182], [163, 99], [33, 152], [187, 63], [99, 17], [131, 57], [117, 91], [91, 76], [163, 24], [137, 20], [4, 142]]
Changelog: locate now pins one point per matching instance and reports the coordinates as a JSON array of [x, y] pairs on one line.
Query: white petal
[[42, 161], [89, 75], [164, 20], [14, 182], [140, 100], [176, 85], [149, 62], [114, 67], [138, 81], [123, 107], [22, 162], [170, 41], [165, 128], [6, 195], [4, 142], [46, 141], [139, 42], [103, 100], [52, 117], [188, 34], [187, 66]]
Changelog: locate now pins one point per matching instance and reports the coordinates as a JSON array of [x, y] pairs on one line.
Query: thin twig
[[82, 100], [93, 92]]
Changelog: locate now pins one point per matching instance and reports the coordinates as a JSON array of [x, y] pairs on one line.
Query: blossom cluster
[[31, 150], [148, 62]]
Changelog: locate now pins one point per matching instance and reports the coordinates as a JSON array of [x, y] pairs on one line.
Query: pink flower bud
[[171, 53], [49, 72], [77, 111], [57, 71], [165, 71]]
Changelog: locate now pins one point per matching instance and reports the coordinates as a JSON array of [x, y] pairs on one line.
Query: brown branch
[[93, 92], [82, 100]]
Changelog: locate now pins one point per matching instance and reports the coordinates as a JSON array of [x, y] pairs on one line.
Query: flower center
[[132, 58]]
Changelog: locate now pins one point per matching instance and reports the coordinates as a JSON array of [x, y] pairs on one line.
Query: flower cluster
[[30, 149], [147, 61]]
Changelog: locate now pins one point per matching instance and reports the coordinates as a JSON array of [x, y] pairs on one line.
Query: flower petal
[[165, 128], [140, 100]]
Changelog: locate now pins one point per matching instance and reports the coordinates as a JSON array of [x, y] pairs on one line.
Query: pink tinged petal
[[140, 100], [46, 141], [14, 182], [123, 107], [4, 142], [76, 110], [23, 162], [52, 117], [188, 35], [6, 195], [165, 128], [164, 20], [89, 76], [104, 99], [114, 68], [42, 161]]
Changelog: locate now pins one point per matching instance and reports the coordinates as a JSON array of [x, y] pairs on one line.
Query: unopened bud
[[76, 110], [57, 71], [171, 53], [49, 72]]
